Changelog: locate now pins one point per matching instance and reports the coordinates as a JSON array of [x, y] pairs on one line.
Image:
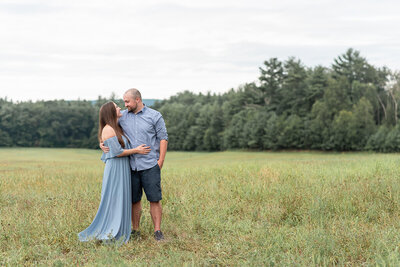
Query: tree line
[[349, 106]]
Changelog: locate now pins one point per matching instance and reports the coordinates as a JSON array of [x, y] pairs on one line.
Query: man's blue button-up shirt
[[146, 127]]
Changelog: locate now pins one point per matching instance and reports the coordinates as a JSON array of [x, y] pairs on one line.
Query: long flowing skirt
[[113, 218]]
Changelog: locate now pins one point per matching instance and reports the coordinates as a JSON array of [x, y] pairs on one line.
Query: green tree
[[271, 79], [364, 124], [292, 134], [294, 91], [377, 140], [343, 132], [272, 130], [392, 141]]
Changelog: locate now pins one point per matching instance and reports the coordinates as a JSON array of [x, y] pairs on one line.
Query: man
[[143, 125]]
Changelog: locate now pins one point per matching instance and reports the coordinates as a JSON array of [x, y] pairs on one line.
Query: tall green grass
[[228, 208]]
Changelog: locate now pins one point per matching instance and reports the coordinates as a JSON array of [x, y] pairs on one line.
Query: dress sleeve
[[115, 147]]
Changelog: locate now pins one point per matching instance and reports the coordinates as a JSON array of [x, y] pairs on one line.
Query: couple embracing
[[134, 144]]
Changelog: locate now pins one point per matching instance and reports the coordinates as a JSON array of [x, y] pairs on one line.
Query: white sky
[[81, 49]]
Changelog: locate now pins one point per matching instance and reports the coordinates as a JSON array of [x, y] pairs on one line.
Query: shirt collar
[[142, 110]]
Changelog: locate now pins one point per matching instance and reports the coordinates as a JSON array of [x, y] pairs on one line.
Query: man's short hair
[[134, 93]]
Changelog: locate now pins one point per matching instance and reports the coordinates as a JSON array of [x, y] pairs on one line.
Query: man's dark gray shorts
[[150, 181]]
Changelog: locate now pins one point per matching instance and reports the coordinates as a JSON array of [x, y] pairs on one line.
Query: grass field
[[229, 208]]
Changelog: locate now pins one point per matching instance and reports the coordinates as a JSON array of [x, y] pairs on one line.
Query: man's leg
[[136, 197], [156, 214], [136, 213], [151, 182]]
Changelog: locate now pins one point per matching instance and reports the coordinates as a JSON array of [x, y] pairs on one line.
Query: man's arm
[[104, 148], [162, 135], [163, 151]]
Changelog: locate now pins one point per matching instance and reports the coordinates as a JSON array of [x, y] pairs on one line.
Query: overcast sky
[[81, 49]]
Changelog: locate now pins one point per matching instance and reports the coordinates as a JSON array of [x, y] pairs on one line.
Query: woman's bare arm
[[142, 149]]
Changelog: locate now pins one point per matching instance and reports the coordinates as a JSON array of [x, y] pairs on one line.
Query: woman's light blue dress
[[113, 218]]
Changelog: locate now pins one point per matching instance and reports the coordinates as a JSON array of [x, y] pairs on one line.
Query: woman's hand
[[143, 149]]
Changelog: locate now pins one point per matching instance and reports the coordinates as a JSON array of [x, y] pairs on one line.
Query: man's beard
[[130, 109]]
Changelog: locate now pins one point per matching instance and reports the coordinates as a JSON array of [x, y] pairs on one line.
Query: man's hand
[[104, 148], [160, 163]]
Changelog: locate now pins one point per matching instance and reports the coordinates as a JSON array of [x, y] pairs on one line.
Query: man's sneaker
[[135, 235], [158, 235]]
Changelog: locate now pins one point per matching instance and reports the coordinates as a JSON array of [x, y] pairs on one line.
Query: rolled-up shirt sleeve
[[161, 130]]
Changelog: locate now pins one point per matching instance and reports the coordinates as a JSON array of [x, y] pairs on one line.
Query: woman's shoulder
[[107, 132]]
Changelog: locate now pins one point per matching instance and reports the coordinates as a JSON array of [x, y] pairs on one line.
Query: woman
[[113, 218]]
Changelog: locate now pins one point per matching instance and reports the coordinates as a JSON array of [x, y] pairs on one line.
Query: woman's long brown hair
[[108, 115]]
